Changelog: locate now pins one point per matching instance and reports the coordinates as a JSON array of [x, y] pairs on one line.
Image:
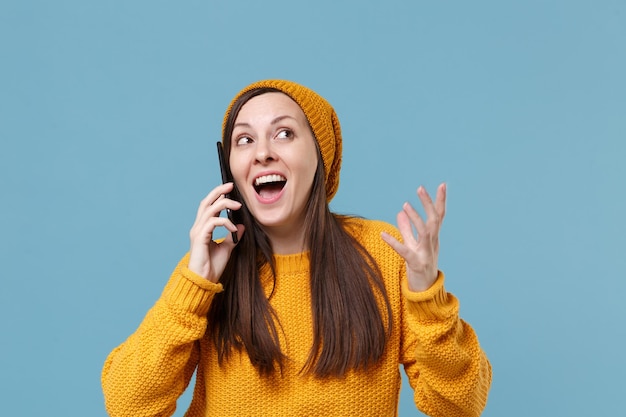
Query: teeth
[[269, 178]]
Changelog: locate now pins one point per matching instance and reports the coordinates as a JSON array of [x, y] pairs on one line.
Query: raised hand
[[420, 252], [208, 258]]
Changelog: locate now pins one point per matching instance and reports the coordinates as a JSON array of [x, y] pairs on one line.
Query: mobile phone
[[226, 177]]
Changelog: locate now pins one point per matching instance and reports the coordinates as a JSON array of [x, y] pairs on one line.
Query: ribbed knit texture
[[322, 119], [440, 352]]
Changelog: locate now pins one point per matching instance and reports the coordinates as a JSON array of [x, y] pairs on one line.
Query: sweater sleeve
[[449, 372], [146, 374]]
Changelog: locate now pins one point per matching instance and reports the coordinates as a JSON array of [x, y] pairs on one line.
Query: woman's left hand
[[422, 251]]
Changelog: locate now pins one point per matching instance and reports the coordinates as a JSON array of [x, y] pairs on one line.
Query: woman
[[310, 313]]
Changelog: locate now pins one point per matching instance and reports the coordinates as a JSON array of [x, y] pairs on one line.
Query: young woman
[[310, 313]]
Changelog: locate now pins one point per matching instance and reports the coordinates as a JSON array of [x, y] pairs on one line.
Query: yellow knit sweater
[[440, 353]]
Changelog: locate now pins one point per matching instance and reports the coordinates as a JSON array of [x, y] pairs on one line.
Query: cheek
[[308, 157], [311, 163], [237, 170], [235, 158], [308, 168], [312, 169]]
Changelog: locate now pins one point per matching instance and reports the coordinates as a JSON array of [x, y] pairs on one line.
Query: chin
[[271, 222], [277, 220]]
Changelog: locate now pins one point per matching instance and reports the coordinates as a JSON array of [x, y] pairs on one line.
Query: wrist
[[420, 282]]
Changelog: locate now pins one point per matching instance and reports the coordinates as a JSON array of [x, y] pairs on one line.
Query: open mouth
[[269, 186]]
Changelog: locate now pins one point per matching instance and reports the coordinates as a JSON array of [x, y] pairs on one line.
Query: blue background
[[108, 116]]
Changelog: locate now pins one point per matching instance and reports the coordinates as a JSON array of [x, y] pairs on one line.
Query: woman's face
[[273, 159]]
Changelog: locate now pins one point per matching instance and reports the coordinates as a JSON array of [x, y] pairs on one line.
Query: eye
[[285, 134], [243, 140]]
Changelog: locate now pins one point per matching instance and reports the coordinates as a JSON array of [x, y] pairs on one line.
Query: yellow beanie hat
[[322, 119]]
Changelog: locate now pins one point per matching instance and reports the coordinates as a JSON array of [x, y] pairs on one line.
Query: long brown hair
[[350, 332]]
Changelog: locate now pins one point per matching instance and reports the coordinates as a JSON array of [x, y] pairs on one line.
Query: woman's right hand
[[208, 258]]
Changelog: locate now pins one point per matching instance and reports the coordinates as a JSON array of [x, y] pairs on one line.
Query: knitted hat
[[322, 119]]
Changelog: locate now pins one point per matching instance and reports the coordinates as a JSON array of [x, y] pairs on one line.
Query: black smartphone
[[226, 177]]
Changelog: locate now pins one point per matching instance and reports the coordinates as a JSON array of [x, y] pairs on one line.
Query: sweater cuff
[[432, 304], [189, 291]]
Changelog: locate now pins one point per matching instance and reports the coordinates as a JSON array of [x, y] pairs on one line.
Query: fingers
[[214, 210], [207, 257], [409, 213], [215, 202], [240, 228], [420, 251], [440, 202], [208, 216], [216, 194], [402, 250], [426, 230], [434, 211], [202, 231]]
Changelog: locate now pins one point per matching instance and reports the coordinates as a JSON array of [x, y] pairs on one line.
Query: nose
[[264, 151]]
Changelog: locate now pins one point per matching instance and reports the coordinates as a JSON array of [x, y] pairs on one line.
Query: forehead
[[269, 106]]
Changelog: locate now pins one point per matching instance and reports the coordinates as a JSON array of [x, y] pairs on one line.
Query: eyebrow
[[273, 122], [279, 118]]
